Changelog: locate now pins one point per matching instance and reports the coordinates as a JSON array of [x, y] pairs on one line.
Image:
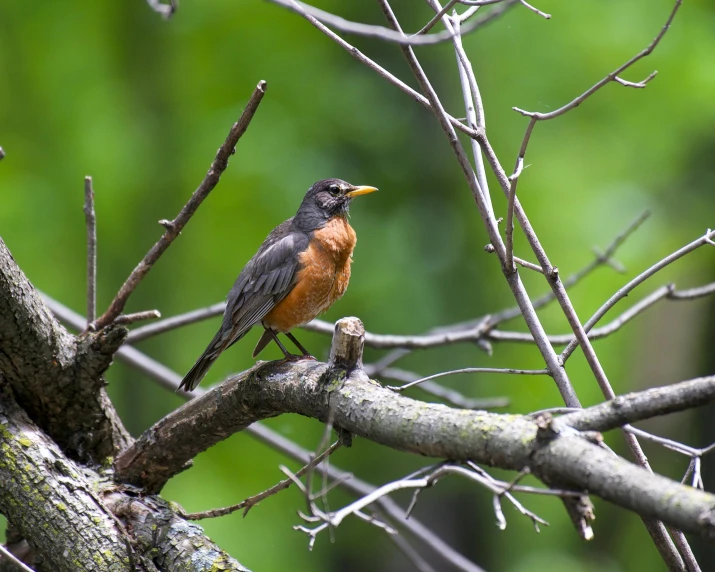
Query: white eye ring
[[334, 189]]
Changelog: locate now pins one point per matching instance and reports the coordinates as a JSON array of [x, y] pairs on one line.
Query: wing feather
[[265, 280]]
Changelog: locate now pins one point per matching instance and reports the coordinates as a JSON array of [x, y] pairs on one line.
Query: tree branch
[[70, 530], [56, 377], [645, 404], [552, 451]]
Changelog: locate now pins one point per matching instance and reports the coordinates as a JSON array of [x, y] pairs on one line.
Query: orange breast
[[323, 278]]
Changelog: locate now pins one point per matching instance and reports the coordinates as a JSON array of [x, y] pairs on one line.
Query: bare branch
[[693, 293], [535, 10], [610, 77], [125, 319], [437, 17], [472, 102], [642, 277], [470, 370], [175, 322], [637, 85], [449, 395], [56, 377], [91, 250], [506, 441], [176, 226]]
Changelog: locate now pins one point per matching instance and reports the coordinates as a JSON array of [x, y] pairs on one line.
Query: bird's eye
[[334, 190]]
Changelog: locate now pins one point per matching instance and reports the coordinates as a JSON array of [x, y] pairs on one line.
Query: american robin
[[301, 268]]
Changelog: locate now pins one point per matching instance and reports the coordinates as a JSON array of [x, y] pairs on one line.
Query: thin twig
[[449, 395], [436, 18], [511, 201], [173, 230], [175, 322], [642, 277], [663, 293], [252, 501], [693, 293], [639, 84], [125, 319], [470, 370], [610, 77], [91, 222], [563, 383], [10, 556], [386, 341], [535, 10], [497, 318], [369, 30]]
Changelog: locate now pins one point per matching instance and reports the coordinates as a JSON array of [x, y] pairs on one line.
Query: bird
[[300, 270]]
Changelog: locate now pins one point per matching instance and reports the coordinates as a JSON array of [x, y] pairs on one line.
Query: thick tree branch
[[645, 404], [79, 520], [48, 499], [550, 449], [56, 377], [161, 535]]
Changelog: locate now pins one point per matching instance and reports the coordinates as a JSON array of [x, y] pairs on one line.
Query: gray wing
[[265, 280]]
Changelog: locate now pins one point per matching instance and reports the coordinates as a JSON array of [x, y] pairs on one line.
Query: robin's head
[[326, 199]]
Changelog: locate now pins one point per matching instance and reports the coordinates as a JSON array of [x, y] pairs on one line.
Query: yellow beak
[[357, 191]]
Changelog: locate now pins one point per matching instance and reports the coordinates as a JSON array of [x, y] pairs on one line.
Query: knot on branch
[[348, 344], [546, 429]]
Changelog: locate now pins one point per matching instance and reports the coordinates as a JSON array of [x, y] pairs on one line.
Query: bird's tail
[[202, 365]]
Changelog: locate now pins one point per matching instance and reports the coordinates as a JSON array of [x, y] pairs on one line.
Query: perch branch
[[552, 451]]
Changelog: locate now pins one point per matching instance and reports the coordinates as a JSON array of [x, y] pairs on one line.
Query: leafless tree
[[80, 493]]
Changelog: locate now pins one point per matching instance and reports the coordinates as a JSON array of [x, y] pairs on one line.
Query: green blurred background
[[113, 91]]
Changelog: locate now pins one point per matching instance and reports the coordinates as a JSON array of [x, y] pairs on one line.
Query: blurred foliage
[[111, 90]]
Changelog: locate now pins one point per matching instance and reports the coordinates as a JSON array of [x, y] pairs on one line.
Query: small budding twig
[[125, 319], [535, 10]]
